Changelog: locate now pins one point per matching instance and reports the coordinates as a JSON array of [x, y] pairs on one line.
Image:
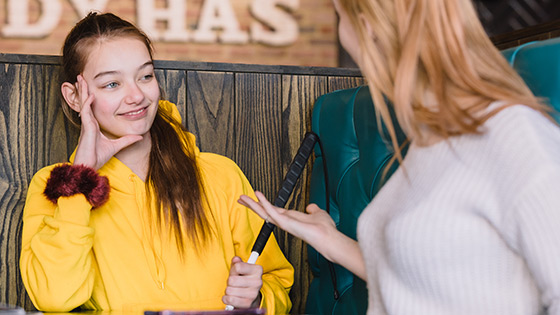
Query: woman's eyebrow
[[100, 74], [146, 64]]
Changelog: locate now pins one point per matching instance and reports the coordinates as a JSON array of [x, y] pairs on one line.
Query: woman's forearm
[[344, 251]]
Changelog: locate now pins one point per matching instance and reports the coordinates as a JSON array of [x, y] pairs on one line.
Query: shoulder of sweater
[[522, 128]]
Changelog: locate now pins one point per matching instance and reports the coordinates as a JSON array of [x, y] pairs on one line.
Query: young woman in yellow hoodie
[[139, 219]]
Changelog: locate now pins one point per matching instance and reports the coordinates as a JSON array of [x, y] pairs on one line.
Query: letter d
[[18, 19]]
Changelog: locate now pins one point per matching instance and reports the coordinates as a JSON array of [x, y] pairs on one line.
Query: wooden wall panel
[[258, 133], [339, 83], [210, 110], [529, 34], [60, 137], [299, 93], [173, 84], [21, 88]]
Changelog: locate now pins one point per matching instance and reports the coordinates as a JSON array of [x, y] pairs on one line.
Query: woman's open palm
[[313, 227]]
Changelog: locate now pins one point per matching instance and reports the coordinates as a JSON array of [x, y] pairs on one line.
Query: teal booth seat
[[356, 154], [538, 63]]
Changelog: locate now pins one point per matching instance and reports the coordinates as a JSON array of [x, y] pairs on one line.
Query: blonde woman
[[470, 222]]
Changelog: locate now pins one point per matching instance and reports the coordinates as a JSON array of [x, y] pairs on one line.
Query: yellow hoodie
[[112, 258]]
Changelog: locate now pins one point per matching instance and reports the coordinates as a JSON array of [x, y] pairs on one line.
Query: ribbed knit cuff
[[67, 180]]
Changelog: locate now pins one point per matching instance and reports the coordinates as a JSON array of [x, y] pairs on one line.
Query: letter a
[[218, 14]]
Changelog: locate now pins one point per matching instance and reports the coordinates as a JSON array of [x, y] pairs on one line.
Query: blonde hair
[[433, 60]]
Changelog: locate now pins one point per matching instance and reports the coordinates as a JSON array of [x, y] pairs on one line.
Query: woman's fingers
[[292, 221], [86, 101], [252, 204], [312, 208], [243, 284], [82, 90], [124, 141]]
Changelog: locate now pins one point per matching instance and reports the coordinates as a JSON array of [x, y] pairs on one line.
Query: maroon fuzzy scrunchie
[[67, 180]]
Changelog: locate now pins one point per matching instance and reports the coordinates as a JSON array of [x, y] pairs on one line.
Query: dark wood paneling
[[505, 16], [60, 136], [210, 108], [22, 152], [338, 83], [34, 134], [298, 96], [258, 133], [537, 32], [173, 85]]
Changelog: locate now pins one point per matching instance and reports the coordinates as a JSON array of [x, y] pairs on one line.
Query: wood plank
[[258, 130], [201, 66], [22, 90], [173, 84], [210, 111], [59, 135], [339, 83], [535, 32], [298, 96]]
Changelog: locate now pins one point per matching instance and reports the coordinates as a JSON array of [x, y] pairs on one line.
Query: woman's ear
[[368, 26], [71, 96]]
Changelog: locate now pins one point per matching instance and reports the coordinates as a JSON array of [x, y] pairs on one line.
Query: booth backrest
[[356, 155], [538, 63]]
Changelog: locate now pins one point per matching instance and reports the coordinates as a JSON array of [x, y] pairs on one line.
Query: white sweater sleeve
[[537, 232]]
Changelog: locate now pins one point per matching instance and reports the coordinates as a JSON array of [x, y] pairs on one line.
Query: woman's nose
[[134, 94]]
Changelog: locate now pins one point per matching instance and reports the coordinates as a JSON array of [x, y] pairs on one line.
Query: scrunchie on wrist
[[68, 180]]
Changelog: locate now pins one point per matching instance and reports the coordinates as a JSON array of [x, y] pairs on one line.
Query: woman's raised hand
[[94, 148], [313, 227], [316, 228]]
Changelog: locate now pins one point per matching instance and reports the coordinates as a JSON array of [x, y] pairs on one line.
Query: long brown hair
[[173, 174], [435, 63]]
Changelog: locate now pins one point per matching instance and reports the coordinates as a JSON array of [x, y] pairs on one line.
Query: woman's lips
[[135, 113]]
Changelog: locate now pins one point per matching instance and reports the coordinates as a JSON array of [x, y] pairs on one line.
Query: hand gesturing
[[314, 227]]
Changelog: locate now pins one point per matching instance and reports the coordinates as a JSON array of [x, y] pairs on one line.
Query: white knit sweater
[[472, 227]]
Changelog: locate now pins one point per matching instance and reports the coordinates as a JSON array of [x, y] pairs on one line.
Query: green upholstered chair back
[[538, 63], [356, 155]]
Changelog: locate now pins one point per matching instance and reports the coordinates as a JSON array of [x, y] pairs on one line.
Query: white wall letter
[[284, 27], [18, 24], [174, 15], [83, 7], [218, 14]]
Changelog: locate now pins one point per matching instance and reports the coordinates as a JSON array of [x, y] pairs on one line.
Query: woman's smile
[[135, 114]]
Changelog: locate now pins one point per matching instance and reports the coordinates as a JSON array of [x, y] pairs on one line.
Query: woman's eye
[[147, 77], [111, 85]]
